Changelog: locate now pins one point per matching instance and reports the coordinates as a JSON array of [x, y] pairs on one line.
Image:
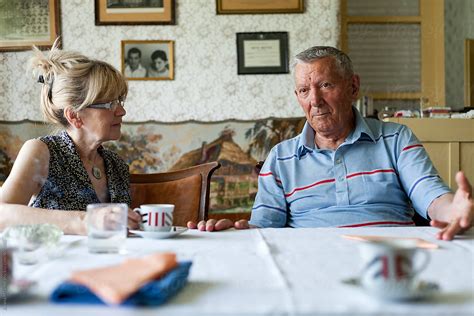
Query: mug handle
[[424, 264], [144, 218]]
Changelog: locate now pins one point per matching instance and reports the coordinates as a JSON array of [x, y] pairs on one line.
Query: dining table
[[271, 271]]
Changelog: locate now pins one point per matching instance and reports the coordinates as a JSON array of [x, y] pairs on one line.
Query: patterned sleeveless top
[[68, 186]]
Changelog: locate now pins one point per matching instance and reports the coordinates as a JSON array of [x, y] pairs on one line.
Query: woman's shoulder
[[35, 148]]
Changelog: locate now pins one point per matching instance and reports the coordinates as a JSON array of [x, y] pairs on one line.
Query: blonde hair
[[73, 80]]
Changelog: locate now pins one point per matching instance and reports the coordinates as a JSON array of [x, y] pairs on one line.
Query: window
[[397, 47]]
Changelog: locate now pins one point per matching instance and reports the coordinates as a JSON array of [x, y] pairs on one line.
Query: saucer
[[19, 289], [420, 290], [175, 231]]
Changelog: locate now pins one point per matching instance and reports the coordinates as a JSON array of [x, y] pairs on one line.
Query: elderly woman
[[55, 177]]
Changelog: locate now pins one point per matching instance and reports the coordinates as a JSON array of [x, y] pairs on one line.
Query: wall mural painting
[[158, 147]]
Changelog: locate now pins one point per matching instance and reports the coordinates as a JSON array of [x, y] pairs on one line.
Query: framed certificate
[[262, 53], [27, 23]]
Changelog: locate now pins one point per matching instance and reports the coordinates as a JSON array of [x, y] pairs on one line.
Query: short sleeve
[[270, 207], [418, 176]]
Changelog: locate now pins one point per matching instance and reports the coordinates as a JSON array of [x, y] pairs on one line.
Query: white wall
[[206, 85]]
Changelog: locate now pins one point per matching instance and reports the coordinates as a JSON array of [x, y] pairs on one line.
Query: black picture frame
[[262, 53]]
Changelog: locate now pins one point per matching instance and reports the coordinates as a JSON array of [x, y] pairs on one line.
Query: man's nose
[[316, 97]]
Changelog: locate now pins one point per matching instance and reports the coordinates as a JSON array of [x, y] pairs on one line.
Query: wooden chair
[[188, 189]]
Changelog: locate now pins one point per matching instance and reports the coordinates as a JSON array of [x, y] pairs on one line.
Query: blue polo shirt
[[376, 177]]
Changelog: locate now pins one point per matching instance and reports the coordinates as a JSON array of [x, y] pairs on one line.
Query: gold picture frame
[[259, 7], [27, 23], [148, 60], [125, 12]]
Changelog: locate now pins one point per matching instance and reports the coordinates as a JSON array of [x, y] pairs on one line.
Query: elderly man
[[344, 170]]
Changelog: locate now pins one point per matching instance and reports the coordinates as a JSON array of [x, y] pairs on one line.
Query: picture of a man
[[134, 68]]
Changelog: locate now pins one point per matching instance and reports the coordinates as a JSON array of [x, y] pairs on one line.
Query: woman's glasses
[[111, 106]]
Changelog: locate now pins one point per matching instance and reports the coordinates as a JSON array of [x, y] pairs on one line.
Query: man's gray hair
[[318, 52]]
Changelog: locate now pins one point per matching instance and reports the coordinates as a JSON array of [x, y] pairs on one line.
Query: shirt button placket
[[342, 197]]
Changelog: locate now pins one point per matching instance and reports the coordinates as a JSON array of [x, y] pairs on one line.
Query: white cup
[[389, 270], [156, 217]]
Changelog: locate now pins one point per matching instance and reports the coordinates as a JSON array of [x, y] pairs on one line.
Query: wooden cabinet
[[449, 142]]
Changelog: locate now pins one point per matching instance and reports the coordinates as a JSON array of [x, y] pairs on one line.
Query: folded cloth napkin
[[159, 273]]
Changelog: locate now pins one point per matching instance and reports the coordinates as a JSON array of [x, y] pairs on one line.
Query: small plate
[[421, 290], [175, 231], [19, 289]]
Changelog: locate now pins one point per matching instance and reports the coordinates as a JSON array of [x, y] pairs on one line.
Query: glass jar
[[385, 113]]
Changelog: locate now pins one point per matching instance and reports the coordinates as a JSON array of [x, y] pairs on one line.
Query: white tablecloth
[[265, 271]]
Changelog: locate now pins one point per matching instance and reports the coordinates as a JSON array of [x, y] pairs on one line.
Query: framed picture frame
[[262, 53], [133, 12], [259, 7], [148, 60], [27, 23]]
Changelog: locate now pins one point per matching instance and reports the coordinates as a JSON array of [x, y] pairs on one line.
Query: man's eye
[[326, 85], [302, 91]]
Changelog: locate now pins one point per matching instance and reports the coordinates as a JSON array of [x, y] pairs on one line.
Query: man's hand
[[222, 224], [458, 210]]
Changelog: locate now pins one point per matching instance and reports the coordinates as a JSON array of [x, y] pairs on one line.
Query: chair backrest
[[188, 189]]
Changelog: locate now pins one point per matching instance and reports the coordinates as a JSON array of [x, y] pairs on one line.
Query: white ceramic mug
[[156, 217], [389, 270]]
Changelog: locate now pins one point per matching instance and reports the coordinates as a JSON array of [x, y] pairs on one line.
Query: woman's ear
[[73, 117]]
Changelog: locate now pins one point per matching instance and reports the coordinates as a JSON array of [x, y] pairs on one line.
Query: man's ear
[[73, 117], [355, 85]]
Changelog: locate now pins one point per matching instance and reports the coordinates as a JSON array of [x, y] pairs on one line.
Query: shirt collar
[[306, 139], [361, 130]]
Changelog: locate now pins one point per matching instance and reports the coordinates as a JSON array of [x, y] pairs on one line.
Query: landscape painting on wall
[[157, 147]]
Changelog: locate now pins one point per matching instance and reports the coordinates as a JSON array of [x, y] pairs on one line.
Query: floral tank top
[[68, 186]]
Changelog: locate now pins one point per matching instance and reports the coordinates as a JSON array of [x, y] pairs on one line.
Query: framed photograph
[[148, 60], [27, 23], [262, 53], [259, 7], [114, 12]]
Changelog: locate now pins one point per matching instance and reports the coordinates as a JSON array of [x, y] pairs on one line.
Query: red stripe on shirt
[[378, 223], [369, 172], [269, 174], [412, 146], [310, 186]]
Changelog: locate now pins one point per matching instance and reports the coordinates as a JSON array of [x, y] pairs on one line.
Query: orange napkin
[[420, 243], [115, 284]]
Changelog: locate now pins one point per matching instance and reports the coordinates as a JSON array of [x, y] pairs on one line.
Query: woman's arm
[[26, 179]]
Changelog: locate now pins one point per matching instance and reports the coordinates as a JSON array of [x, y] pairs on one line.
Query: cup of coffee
[[390, 267], [156, 217]]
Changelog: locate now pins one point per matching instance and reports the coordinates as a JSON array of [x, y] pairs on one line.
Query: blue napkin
[[153, 293]]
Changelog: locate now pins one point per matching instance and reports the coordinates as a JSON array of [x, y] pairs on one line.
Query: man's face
[[134, 60], [325, 95]]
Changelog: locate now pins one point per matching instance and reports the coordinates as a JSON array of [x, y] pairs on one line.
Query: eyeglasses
[[111, 106]]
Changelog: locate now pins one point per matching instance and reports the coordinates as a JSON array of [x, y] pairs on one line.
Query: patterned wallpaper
[[206, 85]]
